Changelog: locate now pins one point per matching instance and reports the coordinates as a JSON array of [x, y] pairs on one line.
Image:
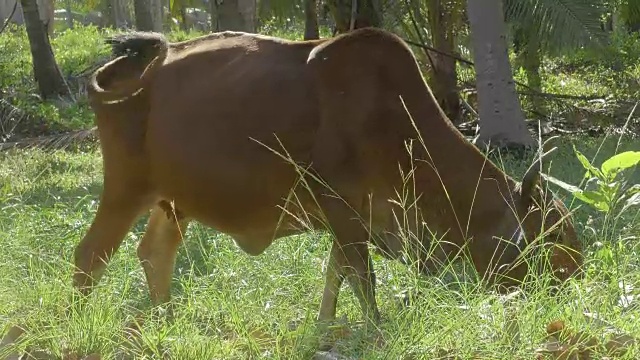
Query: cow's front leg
[[115, 216], [349, 259], [333, 281]]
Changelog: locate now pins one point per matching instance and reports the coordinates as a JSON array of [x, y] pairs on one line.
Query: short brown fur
[[189, 127]]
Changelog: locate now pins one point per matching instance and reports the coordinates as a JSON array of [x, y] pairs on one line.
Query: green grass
[[234, 306]]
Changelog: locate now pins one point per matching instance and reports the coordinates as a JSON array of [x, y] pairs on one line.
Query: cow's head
[[534, 223]]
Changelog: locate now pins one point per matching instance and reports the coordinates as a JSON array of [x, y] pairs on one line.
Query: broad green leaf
[[595, 199], [586, 164], [620, 161], [604, 254]]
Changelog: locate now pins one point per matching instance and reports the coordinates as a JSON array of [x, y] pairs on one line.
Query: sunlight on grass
[[229, 305]]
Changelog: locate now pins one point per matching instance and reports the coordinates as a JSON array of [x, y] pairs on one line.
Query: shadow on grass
[[50, 196]]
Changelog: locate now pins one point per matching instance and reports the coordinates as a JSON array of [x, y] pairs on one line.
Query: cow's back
[[214, 108]]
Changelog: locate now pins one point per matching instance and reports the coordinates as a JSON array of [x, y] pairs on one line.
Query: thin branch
[[419, 34], [531, 92], [469, 108], [560, 96], [354, 14], [431, 48]]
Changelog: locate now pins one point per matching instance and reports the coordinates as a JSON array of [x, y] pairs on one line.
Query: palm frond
[[559, 24], [630, 11]]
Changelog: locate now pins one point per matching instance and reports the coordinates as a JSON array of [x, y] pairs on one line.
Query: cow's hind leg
[[114, 218], [157, 251]]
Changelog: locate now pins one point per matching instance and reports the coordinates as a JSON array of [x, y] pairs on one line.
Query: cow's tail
[[136, 57]]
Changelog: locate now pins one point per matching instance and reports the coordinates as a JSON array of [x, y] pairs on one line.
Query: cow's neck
[[473, 184], [472, 181]]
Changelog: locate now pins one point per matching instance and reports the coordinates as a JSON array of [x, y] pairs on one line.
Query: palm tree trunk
[[311, 20], [148, 15], [214, 26], [46, 72], [501, 117], [67, 6], [237, 15], [182, 9], [115, 13]]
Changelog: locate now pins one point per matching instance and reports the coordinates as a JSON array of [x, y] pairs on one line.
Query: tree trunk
[[122, 14], [115, 14], [248, 12], [501, 118], [183, 16], [443, 18], [367, 13], [157, 12], [213, 16], [109, 13], [67, 7], [46, 72], [311, 20], [617, 21], [237, 15], [46, 11], [148, 15]]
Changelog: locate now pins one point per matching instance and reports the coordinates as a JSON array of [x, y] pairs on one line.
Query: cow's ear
[[531, 178], [528, 186]]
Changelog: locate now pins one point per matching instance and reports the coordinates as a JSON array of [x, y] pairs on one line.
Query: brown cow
[[260, 138]]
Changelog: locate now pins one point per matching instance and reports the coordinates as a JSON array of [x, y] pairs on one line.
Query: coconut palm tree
[[541, 26], [501, 116], [550, 25], [50, 82]]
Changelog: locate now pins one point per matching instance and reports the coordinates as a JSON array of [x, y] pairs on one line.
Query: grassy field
[[230, 305]]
